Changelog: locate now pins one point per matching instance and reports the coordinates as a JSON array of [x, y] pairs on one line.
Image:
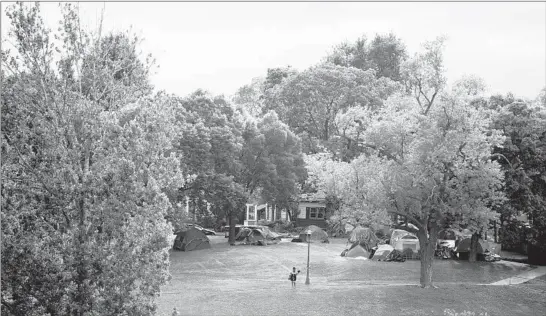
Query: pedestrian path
[[523, 277]]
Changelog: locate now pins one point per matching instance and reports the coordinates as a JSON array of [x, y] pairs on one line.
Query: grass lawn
[[252, 280]]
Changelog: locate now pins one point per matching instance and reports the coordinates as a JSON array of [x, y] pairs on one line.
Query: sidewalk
[[524, 277]]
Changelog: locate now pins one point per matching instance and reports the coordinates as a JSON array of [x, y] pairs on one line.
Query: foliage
[[523, 157], [427, 157], [423, 75], [309, 102], [83, 212], [384, 54], [230, 157], [271, 160]]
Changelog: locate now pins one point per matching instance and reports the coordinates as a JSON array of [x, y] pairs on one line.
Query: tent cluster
[[403, 245], [261, 235], [365, 244], [191, 239]]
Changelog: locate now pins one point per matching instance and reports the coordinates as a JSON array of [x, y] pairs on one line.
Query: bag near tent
[[191, 239]]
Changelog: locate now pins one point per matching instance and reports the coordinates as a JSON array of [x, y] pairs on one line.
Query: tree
[[210, 142], [83, 212], [428, 158], [310, 101], [523, 157], [345, 183], [384, 54], [423, 75], [271, 161], [438, 169]]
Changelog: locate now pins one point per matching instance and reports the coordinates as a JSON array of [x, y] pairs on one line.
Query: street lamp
[[308, 252]]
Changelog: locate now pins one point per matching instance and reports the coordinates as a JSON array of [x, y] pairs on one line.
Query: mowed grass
[[253, 280]]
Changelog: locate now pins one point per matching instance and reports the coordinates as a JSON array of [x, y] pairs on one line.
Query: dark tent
[[191, 239], [244, 232], [364, 237], [256, 236], [483, 246], [317, 234]]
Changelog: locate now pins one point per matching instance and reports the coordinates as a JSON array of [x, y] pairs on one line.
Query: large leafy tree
[[271, 160], [429, 162], [83, 208], [310, 101], [523, 157], [229, 156], [438, 172], [210, 142]]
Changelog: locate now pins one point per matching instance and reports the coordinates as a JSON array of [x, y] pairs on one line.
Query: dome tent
[[257, 236], [483, 246], [191, 239], [364, 237], [357, 251], [317, 234]]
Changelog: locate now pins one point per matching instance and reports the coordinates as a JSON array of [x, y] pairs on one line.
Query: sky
[[221, 46]]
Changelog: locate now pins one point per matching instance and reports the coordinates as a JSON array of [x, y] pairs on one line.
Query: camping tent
[[357, 251], [270, 235], [405, 241], [191, 239], [382, 252], [397, 234], [257, 235], [464, 246], [365, 237], [317, 234], [243, 233]]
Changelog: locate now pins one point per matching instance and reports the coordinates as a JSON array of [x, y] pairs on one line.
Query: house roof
[[312, 197]]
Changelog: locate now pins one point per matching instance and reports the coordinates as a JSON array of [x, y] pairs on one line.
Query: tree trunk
[[495, 231], [427, 246], [473, 255], [231, 218]]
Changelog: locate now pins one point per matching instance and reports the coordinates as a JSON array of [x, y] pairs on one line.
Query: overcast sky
[[222, 46]]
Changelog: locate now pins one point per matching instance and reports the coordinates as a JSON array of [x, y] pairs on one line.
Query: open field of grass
[[252, 280]]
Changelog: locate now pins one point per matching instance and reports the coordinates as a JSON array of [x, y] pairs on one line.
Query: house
[[312, 211], [270, 213]]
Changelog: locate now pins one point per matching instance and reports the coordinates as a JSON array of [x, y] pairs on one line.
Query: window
[[316, 212]]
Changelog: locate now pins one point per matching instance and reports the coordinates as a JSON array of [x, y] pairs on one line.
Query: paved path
[[523, 277]]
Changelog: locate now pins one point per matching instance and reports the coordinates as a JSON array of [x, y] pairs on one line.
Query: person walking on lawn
[[293, 276]]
